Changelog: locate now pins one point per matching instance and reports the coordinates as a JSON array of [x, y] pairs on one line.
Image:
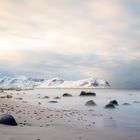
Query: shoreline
[[39, 122]]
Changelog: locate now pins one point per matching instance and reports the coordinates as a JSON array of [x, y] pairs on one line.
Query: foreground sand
[[36, 122]]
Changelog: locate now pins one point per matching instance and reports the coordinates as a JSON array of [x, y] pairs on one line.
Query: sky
[[71, 39]]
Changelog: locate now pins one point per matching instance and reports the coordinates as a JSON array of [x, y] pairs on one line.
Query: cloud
[[119, 72], [75, 37]]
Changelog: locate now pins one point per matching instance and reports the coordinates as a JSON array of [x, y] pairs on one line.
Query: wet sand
[[36, 122]]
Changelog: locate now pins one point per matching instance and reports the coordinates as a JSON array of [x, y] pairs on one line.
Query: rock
[[9, 96], [47, 97], [19, 98], [2, 97], [24, 101], [114, 102], [90, 103], [7, 119], [57, 97], [136, 102], [52, 102], [109, 106], [18, 89], [126, 104], [67, 95], [84, 93], [39, 103]]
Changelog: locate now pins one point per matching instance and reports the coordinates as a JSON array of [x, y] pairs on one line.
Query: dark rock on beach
[[19, 98], [2, 97], [126, 104], [46, 97], [57, 97], [18, 89], [136, 102], [84, 93], [67, 95], [7, 119], [114, 102], [110, 105], [52, 102], [9, 96], [90, 103]]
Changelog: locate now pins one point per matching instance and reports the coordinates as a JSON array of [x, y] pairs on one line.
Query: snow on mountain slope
[[54, 82], [86, 83], [22, 82]]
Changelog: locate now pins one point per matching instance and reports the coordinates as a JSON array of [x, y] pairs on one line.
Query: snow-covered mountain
[[22, 82], [19, 82]]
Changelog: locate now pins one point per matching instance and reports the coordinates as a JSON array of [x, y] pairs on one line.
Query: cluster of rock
[[7, 96], [8, 119], [112, 104]]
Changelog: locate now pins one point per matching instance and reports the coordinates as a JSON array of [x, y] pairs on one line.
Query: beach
[[39, 118]]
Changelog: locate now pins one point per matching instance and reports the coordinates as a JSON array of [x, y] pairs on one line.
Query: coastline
[[38, 122]]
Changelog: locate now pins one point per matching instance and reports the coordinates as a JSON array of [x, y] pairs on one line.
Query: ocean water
[[125, 118]]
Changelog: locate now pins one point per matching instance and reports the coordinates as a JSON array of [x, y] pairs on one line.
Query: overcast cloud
[[72, 39]]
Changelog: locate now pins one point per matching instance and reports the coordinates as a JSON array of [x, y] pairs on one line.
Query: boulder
[[67, 95], [84, 93], [114, 102], [7, 119], [111, 106], [90, 103]]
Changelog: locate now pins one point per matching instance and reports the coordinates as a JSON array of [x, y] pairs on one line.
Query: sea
[[123, 117]]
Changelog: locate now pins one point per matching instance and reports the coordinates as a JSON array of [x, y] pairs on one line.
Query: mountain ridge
[[23, 82]]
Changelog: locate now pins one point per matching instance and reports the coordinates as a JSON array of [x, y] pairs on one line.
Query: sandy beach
[[37, 122], [69, 70]]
